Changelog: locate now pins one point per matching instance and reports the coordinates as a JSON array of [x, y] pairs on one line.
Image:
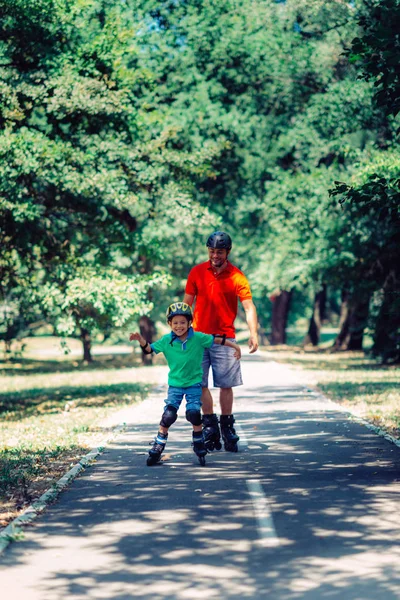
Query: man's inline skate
[[157, 449], [199, 447], [211, 432], [228, 432]]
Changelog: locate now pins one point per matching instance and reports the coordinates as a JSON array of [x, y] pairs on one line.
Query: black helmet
[[179, 308], [219, 239]]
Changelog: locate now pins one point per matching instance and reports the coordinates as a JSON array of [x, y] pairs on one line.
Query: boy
[[183, 348]]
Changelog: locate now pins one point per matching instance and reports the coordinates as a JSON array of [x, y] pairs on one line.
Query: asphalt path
[[307, 509]]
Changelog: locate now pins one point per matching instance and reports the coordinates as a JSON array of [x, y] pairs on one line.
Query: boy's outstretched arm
[[236, 347], [144, 344]]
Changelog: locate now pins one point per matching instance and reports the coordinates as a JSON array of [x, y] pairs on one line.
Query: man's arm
[[252, 322], [189, 299]]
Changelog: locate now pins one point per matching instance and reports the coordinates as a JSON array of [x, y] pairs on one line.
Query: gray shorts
[[225, 367]]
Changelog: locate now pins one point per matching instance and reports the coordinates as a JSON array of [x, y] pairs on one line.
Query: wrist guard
[[223, 336], [143, 348]]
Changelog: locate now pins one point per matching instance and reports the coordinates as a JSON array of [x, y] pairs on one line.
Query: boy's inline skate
[[228, 432], [157, 449], [199, 447], [211, 432]]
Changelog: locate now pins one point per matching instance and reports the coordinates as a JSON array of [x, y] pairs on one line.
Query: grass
[[352, 379], [52, 413]]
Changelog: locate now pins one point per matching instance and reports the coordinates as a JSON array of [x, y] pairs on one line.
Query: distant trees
[[371, 200], [130, 130]]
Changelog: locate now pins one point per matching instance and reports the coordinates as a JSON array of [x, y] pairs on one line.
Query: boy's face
[[179, 325]]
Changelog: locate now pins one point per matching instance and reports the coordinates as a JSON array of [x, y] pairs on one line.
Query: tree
[[376, 51], [86, 167], [372, 198]]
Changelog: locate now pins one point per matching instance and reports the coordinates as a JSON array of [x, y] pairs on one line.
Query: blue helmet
[[179, 308], [219, 239]]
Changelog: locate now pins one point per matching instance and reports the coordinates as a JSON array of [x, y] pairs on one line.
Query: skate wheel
[[231, 447], [218, 445], [152, 460], [202, 460]]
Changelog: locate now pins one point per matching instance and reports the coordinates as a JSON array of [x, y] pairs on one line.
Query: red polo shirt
[[217, 297]]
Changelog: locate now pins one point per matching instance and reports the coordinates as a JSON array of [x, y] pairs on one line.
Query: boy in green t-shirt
[[183, 349]]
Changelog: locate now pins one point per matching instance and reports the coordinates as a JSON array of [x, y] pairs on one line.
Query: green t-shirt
[[184, 359]]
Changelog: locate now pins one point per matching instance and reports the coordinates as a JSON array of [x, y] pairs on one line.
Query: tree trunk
[[353, 320], [87, 345], [147, 330], [342, 338], [318, 315], [387, 329], [358, 322], [280, 311]]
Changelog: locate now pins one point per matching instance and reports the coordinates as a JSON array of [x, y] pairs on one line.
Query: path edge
[[351, 415], [13, 530]]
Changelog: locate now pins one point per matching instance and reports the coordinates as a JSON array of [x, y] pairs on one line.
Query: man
[[216, 285]]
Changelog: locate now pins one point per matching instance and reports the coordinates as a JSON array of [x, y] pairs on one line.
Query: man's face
[[217, 256], [179, 325]]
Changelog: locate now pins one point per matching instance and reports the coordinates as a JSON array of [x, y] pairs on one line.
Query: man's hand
[[253, 344]]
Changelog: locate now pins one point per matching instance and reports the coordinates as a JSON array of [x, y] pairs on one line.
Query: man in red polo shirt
[[217, 285]]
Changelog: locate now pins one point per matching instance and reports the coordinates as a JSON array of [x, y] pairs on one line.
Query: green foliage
[[372, 199], [377, 51], [130, 130], [90, 179], [371, 205]]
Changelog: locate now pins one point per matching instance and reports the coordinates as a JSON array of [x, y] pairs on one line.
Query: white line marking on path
[[266, 527]]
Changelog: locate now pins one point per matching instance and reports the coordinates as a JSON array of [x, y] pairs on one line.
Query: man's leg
[[226, 400], [227, 420], [207, 402], [211, 431]]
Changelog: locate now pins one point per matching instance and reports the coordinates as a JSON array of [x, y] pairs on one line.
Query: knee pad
[[169, 416], [194, 417]]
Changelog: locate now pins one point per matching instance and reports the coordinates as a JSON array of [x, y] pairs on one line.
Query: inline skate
[[199, 447], [157, 449], [211, 432], [228, 433]]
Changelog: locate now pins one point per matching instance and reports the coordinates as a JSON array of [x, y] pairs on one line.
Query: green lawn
[[52, 413]]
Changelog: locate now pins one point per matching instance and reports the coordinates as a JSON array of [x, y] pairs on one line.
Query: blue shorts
[[192, 393], [225, 366]]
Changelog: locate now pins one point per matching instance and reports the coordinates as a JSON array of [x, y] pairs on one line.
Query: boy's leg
[[193, 405], [169, 416], [193, 415], [172, 404]]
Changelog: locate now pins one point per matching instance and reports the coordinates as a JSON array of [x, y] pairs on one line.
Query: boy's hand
[[137, 337]]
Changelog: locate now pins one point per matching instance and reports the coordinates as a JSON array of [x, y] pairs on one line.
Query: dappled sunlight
[[159, 533]]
